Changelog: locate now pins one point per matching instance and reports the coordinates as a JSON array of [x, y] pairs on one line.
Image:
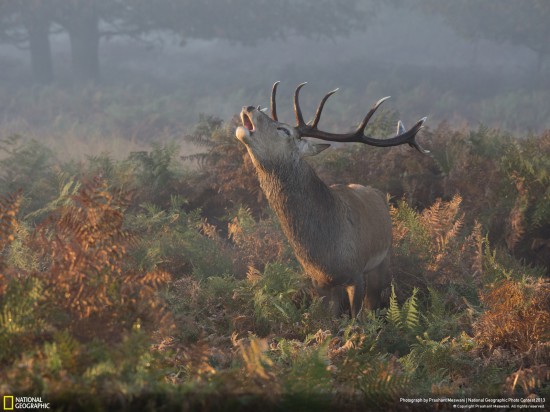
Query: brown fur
[[340, 234]]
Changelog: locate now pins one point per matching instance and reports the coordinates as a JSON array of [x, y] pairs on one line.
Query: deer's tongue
[[247, 123]]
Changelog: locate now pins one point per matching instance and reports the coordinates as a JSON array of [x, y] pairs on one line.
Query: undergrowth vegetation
[[155, 280]]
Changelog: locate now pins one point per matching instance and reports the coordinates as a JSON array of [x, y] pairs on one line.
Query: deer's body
[[340, 234]]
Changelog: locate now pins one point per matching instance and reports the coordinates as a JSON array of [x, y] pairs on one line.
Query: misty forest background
[[141, 266]]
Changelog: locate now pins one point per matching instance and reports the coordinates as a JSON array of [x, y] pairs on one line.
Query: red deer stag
[[340, 234]]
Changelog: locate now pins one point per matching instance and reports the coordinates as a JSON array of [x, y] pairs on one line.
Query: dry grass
[[516, 318]]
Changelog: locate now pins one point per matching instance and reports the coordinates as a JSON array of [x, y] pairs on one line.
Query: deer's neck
[[304, 204]]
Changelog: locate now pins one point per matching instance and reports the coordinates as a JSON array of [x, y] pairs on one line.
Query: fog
[[415, 56]]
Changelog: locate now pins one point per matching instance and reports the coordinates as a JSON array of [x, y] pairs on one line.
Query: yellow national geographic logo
[[8, 403]]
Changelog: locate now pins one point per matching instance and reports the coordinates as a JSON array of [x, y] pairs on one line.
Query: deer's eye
[[284, 130]]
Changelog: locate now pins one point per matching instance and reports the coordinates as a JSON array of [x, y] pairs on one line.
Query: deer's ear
[[311, 149]]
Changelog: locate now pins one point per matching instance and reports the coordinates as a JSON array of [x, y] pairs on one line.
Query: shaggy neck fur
[[306, 207]]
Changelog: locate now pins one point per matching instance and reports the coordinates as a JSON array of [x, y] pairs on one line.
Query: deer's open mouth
[[247, 122]]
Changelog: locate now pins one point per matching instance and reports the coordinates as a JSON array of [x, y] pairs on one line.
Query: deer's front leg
[[335, 298], [356, 295]]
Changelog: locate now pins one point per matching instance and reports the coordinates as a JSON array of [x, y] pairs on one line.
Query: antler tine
[[311, 130], [408, 137], [373, 109], [297, 110], [413, 142], [273, 101], [400, 128], [320, 108]]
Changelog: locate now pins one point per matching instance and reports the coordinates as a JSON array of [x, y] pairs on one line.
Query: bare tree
[[27, 23], [87, 22]]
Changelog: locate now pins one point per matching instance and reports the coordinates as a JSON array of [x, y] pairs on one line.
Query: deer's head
[[266, 138]]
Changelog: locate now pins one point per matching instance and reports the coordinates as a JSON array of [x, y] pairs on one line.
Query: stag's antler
[[310, 130]]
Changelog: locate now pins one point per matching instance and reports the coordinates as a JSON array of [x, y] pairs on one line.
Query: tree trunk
[[84, 35], [37, 25], [41, 54]]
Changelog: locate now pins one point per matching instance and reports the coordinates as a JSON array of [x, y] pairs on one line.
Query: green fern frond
[[409, 312], [19, 315], [308, 373], [393, 315], [407, 317], [381, 383], [68, 187]]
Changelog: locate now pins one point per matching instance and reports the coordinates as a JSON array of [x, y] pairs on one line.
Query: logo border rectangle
[[6, 397]]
